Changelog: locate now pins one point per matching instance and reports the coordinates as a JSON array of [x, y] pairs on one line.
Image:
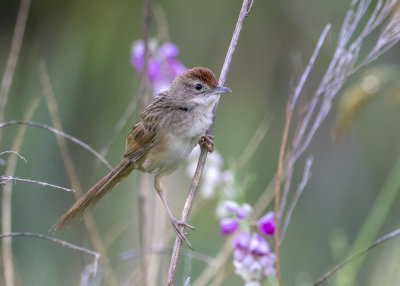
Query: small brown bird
[[167, 131]]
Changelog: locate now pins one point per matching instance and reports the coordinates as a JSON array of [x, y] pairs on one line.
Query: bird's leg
[[207, 141], [175, 223]]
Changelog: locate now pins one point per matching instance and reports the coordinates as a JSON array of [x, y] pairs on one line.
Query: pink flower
[[241, 240], [228, 225], [153, 69], [258, 245], [241, 211], [168, 51], [266, 224], [137, 55], [163, 66], [253, 259]]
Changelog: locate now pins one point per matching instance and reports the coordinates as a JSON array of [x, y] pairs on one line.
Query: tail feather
[[88, 201]]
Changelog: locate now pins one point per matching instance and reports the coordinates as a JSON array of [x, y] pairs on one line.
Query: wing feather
[[143, 134]]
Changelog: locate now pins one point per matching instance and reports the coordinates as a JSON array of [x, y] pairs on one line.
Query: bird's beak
[[221, 89]]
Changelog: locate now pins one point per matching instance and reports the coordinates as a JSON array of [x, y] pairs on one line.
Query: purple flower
[[154, 67], [258, 245], [137, 55], [266, 224], [231, 205], [241, 240], [228, 225], [168, 51], [163, 66], [253, 259], [242, 211]]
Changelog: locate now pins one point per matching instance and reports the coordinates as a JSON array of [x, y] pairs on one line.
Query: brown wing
[[139, 140], [143, 134]]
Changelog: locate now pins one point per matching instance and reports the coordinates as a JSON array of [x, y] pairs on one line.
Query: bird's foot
[[207, 141], [180, 232]]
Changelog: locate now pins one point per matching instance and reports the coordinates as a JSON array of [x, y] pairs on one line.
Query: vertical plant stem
[[289, 113], [143, 226], [246, 7], [143, 204], [12, 60], [281, 162], [6, 211], [160, 231], [72, 173]]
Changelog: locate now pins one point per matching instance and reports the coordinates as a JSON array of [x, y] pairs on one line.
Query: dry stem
[[62, 242], [6, 212], [12, 60], [143, 203], [299, 191], [59, 133], [14, 152], [246, 7], [347, 260], [71, 170], [289, 113], [4, 180]]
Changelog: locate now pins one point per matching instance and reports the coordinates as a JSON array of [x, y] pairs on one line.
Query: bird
[[167, 131]]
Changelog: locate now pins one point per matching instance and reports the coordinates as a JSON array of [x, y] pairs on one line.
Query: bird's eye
[[198, 86]]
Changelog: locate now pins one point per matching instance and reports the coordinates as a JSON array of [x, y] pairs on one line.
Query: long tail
[[87, 201]]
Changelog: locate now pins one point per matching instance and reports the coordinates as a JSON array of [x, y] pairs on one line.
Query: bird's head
[[198, 85]]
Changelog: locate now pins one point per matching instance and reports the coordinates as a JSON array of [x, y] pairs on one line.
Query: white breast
[[179, 137]]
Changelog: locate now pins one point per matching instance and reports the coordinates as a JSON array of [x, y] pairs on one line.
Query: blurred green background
[[86, 46]]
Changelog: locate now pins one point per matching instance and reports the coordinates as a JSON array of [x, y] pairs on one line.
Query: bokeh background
[[86, 46]]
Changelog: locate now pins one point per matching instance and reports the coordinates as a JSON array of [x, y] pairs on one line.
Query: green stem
[[373, 223]]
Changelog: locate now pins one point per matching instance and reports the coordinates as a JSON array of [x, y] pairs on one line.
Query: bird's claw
[[180, 232], [207, 141]]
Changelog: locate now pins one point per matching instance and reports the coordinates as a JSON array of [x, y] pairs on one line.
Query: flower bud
[[228, 225], [266, 224]]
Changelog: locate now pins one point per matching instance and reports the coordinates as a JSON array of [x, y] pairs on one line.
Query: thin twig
[[14, 152], [132, 253], [289, 113], [293, 101], [299, 191], [144, 204], [246, 7], [58, 132], [56, 240], [354, 256], [71, 170], [6, 213], [310, 65], [5, 179], [12, 60]]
